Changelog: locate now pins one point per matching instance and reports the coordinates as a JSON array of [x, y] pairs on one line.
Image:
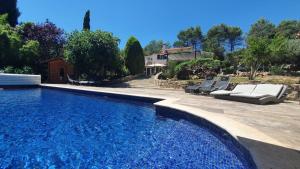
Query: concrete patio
[[271, 133]]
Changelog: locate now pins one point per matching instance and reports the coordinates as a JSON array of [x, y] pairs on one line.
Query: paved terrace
[[271, 132]]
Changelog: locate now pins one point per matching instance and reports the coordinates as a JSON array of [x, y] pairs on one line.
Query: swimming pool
[[45, 128]]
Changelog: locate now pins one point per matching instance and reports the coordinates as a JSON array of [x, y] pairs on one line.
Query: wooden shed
[[58, 69]]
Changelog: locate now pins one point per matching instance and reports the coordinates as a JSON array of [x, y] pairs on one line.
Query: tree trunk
[[252, 73], [231, 46], [195, 50]]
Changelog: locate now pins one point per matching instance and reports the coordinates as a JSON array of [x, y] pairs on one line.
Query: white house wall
[[149, 60]]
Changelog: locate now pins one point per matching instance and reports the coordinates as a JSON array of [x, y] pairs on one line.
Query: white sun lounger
[[71, 81], [262, 90], [262, 94]]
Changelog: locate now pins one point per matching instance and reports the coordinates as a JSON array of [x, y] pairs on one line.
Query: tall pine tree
[[86, 21], [10, 7]]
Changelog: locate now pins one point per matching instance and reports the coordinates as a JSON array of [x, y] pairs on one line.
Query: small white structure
[[19, 80], [154, 64]]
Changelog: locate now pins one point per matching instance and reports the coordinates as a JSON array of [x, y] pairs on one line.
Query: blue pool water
[[43, 128]]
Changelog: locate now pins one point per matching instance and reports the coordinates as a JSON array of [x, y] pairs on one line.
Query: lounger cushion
[[267, 89], [244, 88]]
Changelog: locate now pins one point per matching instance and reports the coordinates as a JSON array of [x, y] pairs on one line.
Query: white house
[[156, 62]]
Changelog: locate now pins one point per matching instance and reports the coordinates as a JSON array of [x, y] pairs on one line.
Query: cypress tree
[[10, 7], [86, 21], [134, 56]]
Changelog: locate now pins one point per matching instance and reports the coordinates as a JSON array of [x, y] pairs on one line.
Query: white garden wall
[[19, 80]]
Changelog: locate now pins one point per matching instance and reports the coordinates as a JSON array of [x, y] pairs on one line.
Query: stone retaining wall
[[294, 93]]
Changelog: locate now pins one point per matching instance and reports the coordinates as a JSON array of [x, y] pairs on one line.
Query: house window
[[162, 57]]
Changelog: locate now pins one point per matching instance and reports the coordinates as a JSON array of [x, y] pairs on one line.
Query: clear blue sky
[[156, 19]]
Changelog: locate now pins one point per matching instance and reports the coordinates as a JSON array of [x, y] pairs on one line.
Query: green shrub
[[276, 70], [123, 71], [203, 66], [227, 67], [95, 55], [120, 69], [182, 66], [162, 76], [199, 67], [229, 70], [182, 70], [170, 71], [23, 70], [134, 56], [29, 52], [9, 69], [27, 70], [4, 19], [10, 42]]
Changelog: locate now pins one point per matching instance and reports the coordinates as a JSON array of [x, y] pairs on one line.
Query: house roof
[[177, 50], [181, 56]]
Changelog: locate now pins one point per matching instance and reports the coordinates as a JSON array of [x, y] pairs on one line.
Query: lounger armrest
[[284, 92]]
